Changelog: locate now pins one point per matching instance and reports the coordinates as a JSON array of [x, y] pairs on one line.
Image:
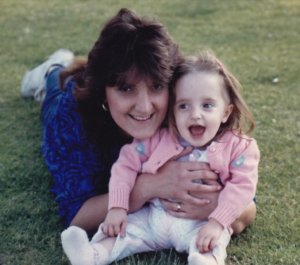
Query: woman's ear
[[227, 113]]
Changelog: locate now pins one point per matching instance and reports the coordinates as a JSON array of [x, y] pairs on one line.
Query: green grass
[[257, 39]]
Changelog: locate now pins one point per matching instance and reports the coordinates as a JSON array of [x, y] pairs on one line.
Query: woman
[[120, 92]]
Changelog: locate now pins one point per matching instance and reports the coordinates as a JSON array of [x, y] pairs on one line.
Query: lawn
[[257, 39]]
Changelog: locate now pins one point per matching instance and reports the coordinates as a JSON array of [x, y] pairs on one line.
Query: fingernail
[[219, 187], [207, 201]]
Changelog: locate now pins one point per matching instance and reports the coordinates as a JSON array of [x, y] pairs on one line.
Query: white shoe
[[77, 247], [33, 81]]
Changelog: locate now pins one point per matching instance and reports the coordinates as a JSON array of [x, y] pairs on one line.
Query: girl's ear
[[227, 113]]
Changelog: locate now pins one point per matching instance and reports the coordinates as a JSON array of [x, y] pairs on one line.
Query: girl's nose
[[196, 114]]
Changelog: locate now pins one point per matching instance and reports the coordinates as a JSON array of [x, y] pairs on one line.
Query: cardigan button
[[212, 149]]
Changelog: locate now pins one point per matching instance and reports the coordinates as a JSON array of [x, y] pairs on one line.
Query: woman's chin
[[143, 134]]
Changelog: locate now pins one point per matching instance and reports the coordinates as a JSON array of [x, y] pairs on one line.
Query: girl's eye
[[207, 105], [183, 106]]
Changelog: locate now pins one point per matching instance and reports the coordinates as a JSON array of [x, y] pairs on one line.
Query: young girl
[[208, 113]]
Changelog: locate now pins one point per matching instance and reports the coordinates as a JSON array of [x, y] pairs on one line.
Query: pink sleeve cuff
[[224, 214], [118, 198]]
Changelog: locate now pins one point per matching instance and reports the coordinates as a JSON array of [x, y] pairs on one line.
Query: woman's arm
[[173, 180], [93, 212]]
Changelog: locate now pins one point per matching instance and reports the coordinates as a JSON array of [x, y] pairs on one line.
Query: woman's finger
[[204, 188], [171, 206], [184, 152]]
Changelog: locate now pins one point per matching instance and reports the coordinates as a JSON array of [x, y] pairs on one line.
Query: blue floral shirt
[[79, 169]]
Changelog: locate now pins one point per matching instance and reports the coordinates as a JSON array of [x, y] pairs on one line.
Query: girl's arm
[[240, 187]]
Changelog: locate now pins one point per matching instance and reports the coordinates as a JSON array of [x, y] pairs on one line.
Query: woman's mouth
[[141, 118], [196, 130]]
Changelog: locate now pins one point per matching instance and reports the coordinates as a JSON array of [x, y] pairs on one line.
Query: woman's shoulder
[[65, 123]]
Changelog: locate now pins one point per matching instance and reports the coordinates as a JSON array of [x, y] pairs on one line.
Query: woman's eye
[[125, 89], [207, 105], [157, 87], [183, 106]]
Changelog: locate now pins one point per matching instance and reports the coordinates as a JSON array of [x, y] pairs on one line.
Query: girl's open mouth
[[196, 130]]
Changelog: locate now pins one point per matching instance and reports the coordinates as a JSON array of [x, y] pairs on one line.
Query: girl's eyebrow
[[208, 99], [181, 101]]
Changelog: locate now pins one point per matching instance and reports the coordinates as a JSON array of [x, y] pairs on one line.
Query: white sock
[[201, 259], [77, 247], [101, 254]]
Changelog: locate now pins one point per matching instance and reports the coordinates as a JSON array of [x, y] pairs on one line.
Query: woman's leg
[[33, 81], [53, 94]]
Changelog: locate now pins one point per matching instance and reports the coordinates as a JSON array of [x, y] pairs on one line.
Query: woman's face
[[138, 109]]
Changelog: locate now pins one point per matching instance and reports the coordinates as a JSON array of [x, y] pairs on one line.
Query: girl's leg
[[103, 249], [79, 251], [202, 259]]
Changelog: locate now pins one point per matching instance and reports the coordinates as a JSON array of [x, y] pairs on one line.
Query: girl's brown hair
[[128, 49], [241, 119]]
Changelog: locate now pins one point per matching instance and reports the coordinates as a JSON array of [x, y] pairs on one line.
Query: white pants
[[152, 228]]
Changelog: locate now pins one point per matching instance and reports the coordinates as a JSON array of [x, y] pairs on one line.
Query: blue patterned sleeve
[[79, 169]]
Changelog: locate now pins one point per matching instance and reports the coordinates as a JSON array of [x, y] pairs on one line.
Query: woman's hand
[[174, 181], [115, 222]]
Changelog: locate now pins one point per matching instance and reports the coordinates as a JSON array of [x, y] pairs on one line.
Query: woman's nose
[[144, 102]]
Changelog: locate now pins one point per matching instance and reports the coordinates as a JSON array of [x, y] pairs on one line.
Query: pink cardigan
[[234, 157]]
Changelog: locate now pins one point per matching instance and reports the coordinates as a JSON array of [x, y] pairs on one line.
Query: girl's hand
[[208, 235], [115, 222]]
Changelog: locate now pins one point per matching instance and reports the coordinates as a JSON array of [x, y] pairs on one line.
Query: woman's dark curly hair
[[128, 49]]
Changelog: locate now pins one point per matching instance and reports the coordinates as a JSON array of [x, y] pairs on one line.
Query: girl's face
[[201, 105], [138, 109]]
